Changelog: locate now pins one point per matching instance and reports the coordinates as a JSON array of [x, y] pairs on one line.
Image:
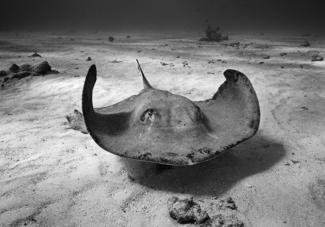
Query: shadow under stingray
[[213, 177]]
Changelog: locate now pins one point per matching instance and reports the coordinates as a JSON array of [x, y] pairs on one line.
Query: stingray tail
[[146, 84]]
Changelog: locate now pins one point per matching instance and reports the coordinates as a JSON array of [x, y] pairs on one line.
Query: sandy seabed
[[51, 175]]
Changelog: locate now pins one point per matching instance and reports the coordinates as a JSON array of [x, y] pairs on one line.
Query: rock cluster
[[25, 70], [223, 213], [186, 211]]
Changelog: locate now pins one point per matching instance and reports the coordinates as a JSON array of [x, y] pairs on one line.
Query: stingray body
[[161, 127]]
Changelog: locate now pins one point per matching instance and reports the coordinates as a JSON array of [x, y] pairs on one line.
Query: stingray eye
[[148, 114]]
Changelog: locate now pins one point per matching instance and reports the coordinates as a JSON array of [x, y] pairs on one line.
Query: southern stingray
[[161, 127]]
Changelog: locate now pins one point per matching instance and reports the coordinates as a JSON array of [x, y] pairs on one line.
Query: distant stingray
[[158, 126]]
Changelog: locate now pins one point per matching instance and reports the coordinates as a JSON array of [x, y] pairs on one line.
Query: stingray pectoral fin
[[104, 128], [87, 93], [233, 113]]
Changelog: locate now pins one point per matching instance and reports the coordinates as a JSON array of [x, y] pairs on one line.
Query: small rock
[[139, 51], [76, 122], [14, 68], [186, 211], [185, 63], [42, 68], [235, 44], [88, 59], [304, 108], [3, 73], [227, 203], [5, 79], [294, 161], [283, 54], [111, 39], [36, 55], [115, 61], [262, 62], [305, 44], [128, 37], [266, 56], [229, 200], [317, 57]]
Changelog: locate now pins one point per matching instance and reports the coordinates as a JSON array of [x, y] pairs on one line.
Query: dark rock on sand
[[305, 44], [266, 56], [317, 57], [186, 211], [88, 59], [227, 203], [36, 55], [115, 61], [111, 39], [43, 68], [234, 44], [76, 122], [3, 73], [14, 68]]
